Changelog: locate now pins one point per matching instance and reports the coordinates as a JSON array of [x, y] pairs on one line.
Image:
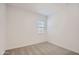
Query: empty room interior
[[39, 29]]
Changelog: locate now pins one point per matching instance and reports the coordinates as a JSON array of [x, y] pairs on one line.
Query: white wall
[[22, 29], [3, 28], [63, 27]]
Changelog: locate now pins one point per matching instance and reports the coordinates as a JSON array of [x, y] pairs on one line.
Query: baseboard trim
[[63, 47], [25, 45], [3, 53]]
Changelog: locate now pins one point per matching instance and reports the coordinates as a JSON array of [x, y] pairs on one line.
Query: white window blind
[[42, 25]]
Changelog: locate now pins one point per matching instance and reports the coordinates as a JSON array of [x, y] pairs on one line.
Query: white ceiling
[[41, 8]]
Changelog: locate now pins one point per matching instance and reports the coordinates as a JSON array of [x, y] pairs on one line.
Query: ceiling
[[41, 8]]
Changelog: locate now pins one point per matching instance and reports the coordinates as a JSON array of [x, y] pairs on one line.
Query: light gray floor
[[40, 49]]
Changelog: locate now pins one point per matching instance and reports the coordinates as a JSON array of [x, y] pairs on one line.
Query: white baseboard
[[63, 47], [24, 45], [2, 53]]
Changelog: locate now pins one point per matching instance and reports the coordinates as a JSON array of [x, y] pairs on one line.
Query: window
[[42, 25]]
